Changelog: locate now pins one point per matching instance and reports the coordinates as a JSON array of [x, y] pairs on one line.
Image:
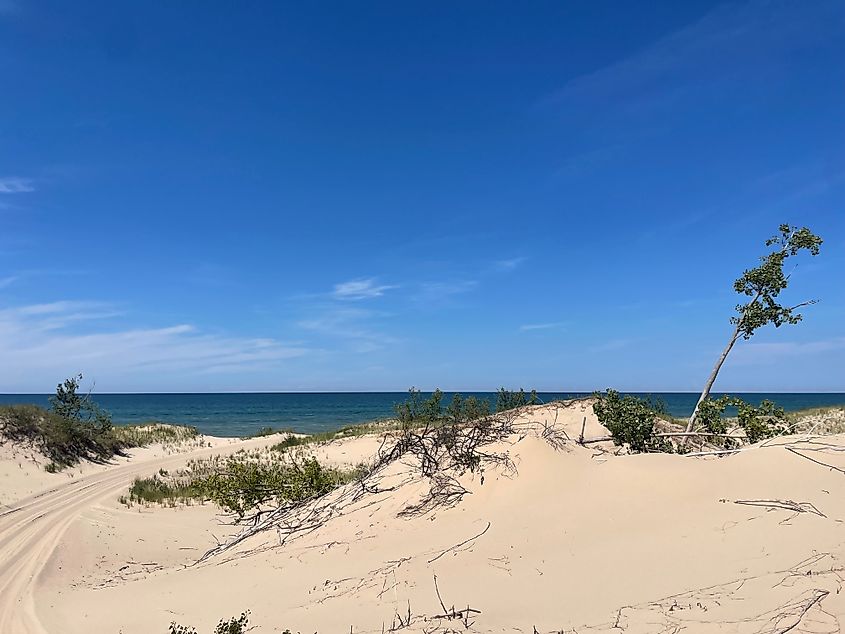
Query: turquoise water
[[243, 414]]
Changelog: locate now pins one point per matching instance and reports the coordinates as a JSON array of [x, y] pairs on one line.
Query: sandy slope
[[574, 540], [31, 529]]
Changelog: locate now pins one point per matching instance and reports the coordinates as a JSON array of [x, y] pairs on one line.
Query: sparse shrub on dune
[[234, 625], [507, 399]]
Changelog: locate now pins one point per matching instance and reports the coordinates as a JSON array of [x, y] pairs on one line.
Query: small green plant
[[630, 420]]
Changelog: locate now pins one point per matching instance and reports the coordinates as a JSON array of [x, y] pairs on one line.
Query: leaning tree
[[762, 285]]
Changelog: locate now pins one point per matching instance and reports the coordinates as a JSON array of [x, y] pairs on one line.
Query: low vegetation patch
[[818, 420], [244, 482], [151, 433]]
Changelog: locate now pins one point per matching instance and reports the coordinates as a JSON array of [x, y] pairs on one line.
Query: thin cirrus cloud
[[352, 325], [16, 185], [732, 45], [358, 289], [41, 343], [768, 352], [509, 264], [547, 326]]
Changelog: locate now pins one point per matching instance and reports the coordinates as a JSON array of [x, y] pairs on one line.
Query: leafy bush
[[630, 420], [416, 411], [758, 422], [765, 421], [506, 399], [464, 410]]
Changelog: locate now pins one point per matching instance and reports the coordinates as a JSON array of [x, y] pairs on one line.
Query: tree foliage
[[764, 283], [69, 404]]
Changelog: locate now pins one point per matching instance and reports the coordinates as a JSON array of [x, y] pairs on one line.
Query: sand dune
[[573, 539]]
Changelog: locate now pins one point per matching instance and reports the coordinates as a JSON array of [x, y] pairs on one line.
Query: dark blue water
[[243, 414]]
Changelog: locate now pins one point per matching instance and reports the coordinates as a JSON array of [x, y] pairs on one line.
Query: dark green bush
[[630, 420]]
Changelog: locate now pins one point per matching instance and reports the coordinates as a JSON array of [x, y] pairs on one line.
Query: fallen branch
[[787, 505], [466, 541]]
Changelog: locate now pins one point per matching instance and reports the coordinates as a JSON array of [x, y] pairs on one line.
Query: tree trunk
[[712, 379]]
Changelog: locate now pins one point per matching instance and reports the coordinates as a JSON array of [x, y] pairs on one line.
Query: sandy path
[[31, 529]]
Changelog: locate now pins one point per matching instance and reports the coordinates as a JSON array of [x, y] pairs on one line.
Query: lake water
[[244, 413]]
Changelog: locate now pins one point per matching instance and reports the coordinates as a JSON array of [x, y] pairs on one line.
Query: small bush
[[764, 421], [630, 420], [506, 399], [757, 422]]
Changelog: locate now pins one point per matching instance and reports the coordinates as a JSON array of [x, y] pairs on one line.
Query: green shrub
[[463, 410], [506, 399], [757, 422], [764, 421], [630, 420], [242, 485]]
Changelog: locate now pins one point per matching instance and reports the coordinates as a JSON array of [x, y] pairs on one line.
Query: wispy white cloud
[[752, 353], [735, 44], [42, 342], [358, 289], [510, 264], [15, 185], [352, 325], [9, 280], [447, 288], [547, 326]]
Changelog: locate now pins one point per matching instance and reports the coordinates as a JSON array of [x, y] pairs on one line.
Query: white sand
[[576, 539]]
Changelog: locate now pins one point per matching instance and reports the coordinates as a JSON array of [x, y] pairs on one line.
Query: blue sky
[[206, 196]]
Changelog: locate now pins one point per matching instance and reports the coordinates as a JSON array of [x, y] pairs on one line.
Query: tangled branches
[[439, 451]]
